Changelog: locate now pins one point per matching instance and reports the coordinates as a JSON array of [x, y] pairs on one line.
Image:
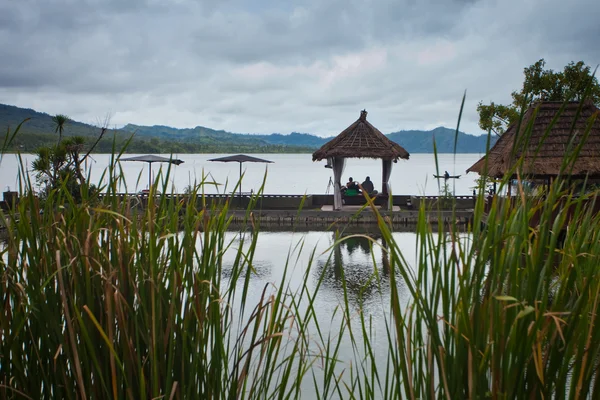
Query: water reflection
[[359, 264], [259, 269], [356, 270], [311, 270], [355, 242], [232, 267]]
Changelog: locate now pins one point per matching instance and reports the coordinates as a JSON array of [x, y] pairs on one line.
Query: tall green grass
[[105, 299]]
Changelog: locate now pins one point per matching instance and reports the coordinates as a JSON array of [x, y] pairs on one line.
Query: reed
[[102, 298]]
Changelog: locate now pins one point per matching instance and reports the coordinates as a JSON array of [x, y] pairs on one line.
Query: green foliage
[[60, 166], [446, 191], [496, 117], [539, 83]]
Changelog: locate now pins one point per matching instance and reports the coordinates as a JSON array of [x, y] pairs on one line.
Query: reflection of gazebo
[[351, 268], [548, 132], [359, 140]]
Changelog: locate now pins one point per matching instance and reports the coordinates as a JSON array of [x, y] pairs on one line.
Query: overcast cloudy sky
[[268, 66]]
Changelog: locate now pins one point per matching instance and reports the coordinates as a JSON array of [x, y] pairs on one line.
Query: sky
[[268, 66]]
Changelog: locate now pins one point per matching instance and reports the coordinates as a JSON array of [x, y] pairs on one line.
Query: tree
[[60, 121], [62, 164], [541, 84]]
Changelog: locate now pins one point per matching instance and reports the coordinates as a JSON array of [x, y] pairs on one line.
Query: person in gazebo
[[367, 186], [351, 188]]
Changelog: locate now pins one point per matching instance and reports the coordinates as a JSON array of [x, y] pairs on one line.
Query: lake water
[[352, 263], [355, 256], [356, 263], [289, 174]]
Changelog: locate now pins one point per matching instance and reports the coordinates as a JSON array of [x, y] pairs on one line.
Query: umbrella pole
[[149, 176], [240, 179]]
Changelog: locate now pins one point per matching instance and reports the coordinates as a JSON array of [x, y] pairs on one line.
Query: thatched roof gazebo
[[359, 140], [548, 131]]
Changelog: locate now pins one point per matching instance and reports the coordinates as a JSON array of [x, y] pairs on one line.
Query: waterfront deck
[[366, 216], [317, 209], [355, 208], [308, 201]]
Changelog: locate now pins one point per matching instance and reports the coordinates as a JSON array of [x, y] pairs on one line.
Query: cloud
[[272, 66]]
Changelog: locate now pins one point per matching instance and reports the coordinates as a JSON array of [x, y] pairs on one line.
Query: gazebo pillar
[[338, 169], [386, 172]]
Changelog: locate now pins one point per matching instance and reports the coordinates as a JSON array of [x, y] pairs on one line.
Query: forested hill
[[206, 134], [39, 131], [422, 141], [414, 141]]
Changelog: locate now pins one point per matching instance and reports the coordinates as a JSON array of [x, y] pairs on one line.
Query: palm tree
[[60, 120], [73, 146]]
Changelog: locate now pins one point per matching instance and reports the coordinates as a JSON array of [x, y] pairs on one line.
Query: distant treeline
[[27, 142]]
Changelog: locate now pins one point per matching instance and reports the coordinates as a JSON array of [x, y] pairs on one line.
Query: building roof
[[549, 130], [361, 140]]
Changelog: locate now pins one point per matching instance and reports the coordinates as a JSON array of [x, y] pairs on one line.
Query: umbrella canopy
[[241, 158], [151, 158]]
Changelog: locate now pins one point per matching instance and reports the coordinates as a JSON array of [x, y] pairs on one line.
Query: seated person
[[367, 186], [351, 188]]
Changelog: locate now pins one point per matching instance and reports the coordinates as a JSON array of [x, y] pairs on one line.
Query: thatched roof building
[[548, 131], [361, 140]]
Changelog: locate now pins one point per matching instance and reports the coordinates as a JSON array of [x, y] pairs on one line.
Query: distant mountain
[[414, 141], [39, 131], [198, 134], [422, 141], [11, 116], [296, 139]]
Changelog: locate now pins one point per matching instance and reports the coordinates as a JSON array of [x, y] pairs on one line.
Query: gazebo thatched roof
[[543, 144], [361, 140]]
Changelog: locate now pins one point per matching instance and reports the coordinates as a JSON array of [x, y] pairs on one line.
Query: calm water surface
[[290, 173], [351, 263], [354, 263]]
